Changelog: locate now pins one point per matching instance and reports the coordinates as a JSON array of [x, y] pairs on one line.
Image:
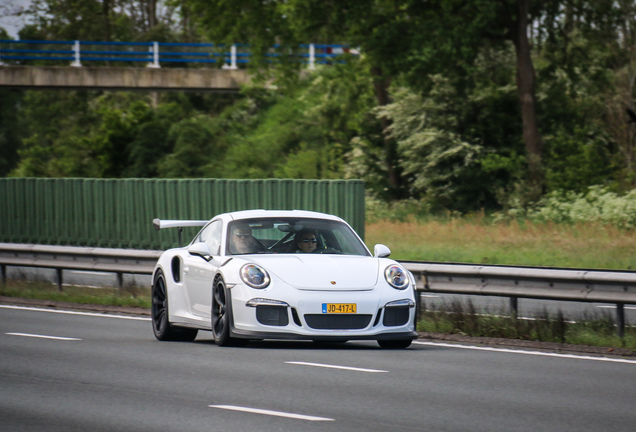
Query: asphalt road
[[83, 372]]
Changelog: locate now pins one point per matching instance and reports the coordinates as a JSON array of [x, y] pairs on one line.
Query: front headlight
[[396, 276], [255, 276]]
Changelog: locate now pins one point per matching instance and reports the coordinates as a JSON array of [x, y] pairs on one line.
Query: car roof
[[249, 214]]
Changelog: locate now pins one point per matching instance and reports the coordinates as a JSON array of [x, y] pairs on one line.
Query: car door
[[199, 273]]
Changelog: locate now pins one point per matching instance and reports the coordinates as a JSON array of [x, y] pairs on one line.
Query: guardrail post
[[3, 270], [155, 55], [620, 320], [120, 280], [514, 307], [58, 272], [232, 64], [312, 57], [76, 54]]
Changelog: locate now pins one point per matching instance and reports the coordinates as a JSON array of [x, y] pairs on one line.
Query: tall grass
[[481, 240], [596, 229]]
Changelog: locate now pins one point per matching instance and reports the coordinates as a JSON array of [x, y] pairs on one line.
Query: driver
[[306, 241], [241, 240]]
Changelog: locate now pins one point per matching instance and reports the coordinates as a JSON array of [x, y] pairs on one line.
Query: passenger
[[306, 241]]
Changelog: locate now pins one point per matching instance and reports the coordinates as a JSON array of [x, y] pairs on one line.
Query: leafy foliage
[[303, 133], [431, 116], [596, 205]]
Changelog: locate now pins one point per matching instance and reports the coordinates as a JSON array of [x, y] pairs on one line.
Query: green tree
[[377, 27], [304, 131], [197, 148], [105, 20], [11, 129], [56, 145]]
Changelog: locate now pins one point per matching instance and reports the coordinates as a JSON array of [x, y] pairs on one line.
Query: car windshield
[[292, 235]]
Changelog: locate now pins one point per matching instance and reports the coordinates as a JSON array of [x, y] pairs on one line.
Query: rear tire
[[161, 326], [395, 344]]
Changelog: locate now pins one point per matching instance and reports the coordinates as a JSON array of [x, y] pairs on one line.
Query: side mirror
[[381, 251], [201, 249]]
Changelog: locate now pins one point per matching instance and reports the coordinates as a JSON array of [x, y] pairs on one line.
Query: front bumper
[[381, 314]]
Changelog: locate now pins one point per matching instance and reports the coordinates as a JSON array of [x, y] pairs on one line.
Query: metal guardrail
[[155, 53], [617, 287], [60, 258], [579, 285]]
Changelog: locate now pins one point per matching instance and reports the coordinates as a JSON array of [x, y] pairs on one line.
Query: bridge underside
[[127, 79]]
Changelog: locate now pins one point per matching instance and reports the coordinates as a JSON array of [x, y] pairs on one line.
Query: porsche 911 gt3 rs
[[288, 274]]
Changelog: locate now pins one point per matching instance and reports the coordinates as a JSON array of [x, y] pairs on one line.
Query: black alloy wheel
[[163, 330], [221, 316]]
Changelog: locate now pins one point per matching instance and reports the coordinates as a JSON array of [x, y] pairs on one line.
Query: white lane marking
[[336, 367], [536, 353], [43, 336], [614, 307], [74, 313], [270, 413]]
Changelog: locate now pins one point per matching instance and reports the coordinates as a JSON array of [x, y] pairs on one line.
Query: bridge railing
[[156, 53]]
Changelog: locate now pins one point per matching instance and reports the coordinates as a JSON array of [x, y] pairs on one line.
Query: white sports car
[[265, 274]]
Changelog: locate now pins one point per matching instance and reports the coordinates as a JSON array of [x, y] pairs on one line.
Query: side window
[[211, 235]]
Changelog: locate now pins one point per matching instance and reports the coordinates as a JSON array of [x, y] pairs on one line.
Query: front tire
[[221, 316], [161, 326]]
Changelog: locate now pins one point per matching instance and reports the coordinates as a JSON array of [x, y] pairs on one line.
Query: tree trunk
[[152, 13], [527, 100], [380, 87], [106, 13]]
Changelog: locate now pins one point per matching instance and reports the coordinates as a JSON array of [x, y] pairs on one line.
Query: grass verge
[[461, 318], [129, 296]]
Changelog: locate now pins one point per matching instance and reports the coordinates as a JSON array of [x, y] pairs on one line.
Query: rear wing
[[161, 224]]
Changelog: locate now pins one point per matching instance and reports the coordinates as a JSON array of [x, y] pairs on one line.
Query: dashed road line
[[270, 413], [336, 367], [43, 336], [95, 314]]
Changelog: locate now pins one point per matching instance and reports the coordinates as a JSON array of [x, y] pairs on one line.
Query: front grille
[[272, 315], [396, 316], [337, 321]]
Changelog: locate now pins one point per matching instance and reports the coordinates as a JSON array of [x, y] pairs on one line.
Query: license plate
[[342, 308]]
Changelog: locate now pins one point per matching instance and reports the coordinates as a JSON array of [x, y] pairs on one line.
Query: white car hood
[[322, 272]]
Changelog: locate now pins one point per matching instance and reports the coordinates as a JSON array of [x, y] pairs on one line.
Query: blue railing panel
[[161, 52]]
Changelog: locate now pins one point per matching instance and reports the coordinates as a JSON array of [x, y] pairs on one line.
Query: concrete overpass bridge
[[122, 78], [21, 64]]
